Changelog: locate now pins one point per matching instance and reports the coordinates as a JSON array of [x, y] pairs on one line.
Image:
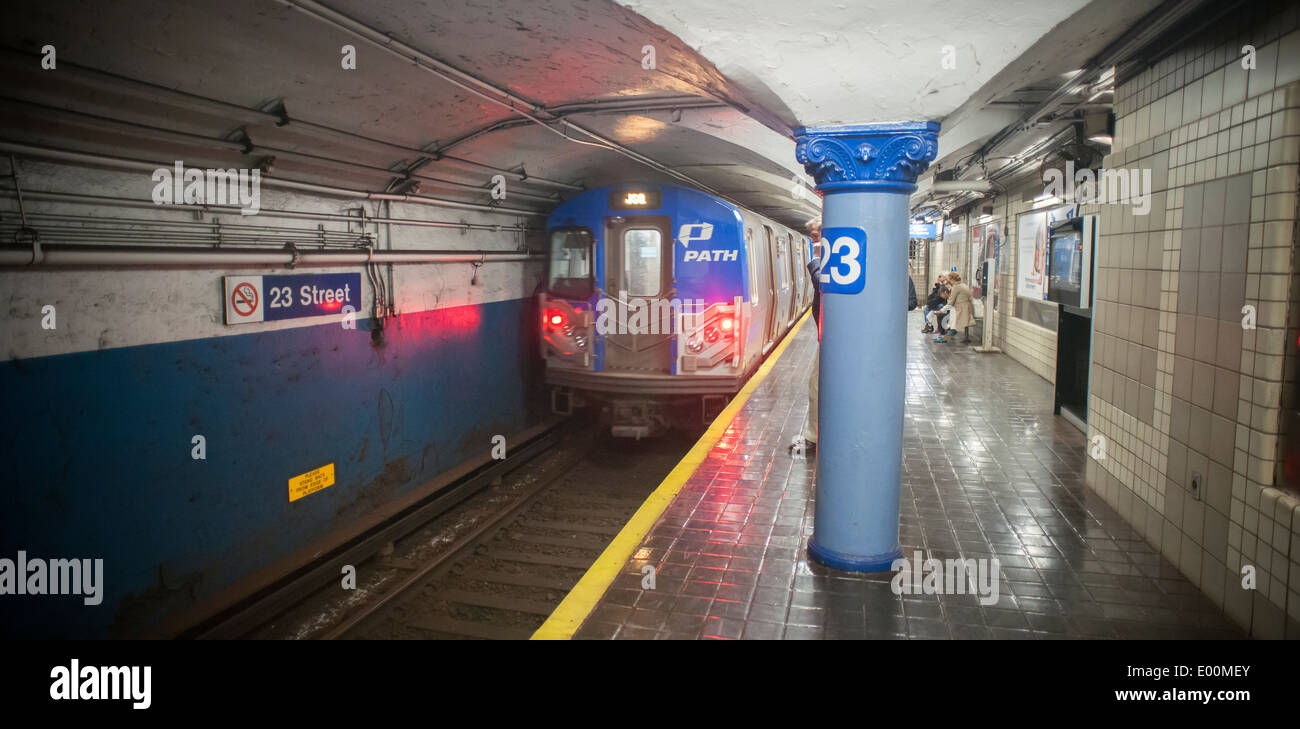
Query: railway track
[[504, 584], [488, 558]]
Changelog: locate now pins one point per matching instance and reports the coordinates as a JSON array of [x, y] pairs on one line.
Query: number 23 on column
[[845, 262]]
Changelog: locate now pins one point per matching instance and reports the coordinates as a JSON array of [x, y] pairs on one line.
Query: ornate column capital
[[885, 157]]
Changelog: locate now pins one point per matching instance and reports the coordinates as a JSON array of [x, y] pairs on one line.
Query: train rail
[[502, 583], [486, 558]]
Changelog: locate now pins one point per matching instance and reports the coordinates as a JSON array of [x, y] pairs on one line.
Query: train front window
[[641, 263], [570, 270]]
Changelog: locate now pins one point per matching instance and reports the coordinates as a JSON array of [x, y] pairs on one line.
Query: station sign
[[921, 231], [271, 298]]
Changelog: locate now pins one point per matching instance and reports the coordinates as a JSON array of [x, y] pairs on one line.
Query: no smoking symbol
[[244, 299]]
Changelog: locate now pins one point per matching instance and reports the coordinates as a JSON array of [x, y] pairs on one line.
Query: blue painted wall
[[96, 449]]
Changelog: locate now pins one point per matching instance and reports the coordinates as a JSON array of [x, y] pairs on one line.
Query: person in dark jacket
[[934, 302]]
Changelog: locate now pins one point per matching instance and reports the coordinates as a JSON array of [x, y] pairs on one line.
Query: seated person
[[933, 302], [940, 318]]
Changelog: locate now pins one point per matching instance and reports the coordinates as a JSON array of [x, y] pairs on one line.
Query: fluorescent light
[[1045, 200], [1103, 139]]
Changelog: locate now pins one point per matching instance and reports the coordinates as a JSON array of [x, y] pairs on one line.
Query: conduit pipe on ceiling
[[80, 199], [133, 164], [929, 187], [550, 199], [961, 186], [1131, 42], [95, 121], [242, 114], [146, 256], [479, 87]]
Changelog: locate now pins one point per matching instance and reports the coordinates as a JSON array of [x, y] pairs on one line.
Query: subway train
[[660, 301]]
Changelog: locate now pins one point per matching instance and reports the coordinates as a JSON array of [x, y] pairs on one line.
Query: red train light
[[727, 323], [554, 319]]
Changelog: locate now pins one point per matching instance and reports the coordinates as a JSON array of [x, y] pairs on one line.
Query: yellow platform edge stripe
[[582, 599]]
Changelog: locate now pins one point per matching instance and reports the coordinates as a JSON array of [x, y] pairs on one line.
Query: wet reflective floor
[[989, 473]]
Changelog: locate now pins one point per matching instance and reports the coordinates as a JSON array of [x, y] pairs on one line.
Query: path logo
[[699, 232], [692, 232]]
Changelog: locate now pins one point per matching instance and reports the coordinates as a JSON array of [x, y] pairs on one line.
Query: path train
[[661, 301]]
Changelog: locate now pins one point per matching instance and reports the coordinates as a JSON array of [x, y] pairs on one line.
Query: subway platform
[[989, 472]]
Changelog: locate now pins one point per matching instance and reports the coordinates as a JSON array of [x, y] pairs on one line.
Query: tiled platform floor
[[989, 471]]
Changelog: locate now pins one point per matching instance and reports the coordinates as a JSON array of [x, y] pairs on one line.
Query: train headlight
[[710, 334]]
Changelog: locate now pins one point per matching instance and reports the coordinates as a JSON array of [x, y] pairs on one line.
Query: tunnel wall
[[1181, 388], [103, 409]]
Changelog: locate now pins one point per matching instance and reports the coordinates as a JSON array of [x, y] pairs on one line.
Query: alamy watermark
[[642, 316], [75, 682], [193, 186], [1104, 187], [921, 576], [53, 577]]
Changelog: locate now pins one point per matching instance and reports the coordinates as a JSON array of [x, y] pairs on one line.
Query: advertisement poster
[[1031, 252], [1031, 256]]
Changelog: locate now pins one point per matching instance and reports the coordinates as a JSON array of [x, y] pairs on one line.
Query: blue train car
[[661, 301]]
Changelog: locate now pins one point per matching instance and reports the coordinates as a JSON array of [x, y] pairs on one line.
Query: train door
[[804, 246], [796, 280], [773, 286], [758, 324], [639, 279]]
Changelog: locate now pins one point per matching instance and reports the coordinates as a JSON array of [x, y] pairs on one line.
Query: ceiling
[[554, 95]]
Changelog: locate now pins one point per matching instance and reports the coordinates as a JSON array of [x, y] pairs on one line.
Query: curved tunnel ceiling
[[448, 93], [836, 62], [442, 126]]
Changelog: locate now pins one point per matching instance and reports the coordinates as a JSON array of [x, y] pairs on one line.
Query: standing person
[[963, 306], [809, 437], [814, 228]]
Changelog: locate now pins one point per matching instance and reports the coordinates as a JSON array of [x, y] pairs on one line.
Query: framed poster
[[1031, 251], [1031, 256]]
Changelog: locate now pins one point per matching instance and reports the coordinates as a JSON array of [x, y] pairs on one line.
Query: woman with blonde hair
[[963, 306]]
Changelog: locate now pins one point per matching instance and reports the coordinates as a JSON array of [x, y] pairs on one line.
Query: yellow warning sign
[[311, 482]]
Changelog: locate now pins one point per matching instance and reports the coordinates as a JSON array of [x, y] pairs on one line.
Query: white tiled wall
[[1179, 385], [1031, 345]]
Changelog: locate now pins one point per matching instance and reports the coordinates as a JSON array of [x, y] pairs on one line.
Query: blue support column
[[866, 173]]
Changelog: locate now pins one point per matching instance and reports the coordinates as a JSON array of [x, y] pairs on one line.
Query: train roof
[[596, 202]]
